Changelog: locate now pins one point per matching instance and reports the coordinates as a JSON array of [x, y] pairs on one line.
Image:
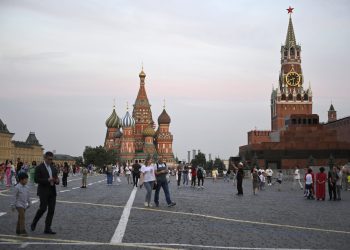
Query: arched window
[[299, 97], [306, 97], [283, 97], [290, 97]]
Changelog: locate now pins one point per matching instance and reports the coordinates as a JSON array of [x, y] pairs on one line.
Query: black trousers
[[199, 180], [47, 201], [178, 179], [239, 185], [332, 191], [64, 179], [135, 178], [193, 181]]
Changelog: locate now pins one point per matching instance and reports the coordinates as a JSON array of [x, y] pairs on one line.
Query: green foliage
[[99, 156], [79, 161], [219, 164], [199, 160]]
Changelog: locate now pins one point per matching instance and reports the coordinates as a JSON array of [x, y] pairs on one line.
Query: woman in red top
[[194, 176], [321, 178]]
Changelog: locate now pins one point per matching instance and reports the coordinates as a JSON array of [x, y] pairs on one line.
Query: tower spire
[[290, 39]]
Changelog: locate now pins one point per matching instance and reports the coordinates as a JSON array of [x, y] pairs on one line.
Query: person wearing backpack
[[162, 182], [200, 177]]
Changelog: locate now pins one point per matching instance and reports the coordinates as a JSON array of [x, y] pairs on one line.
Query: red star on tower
[[290, 10]]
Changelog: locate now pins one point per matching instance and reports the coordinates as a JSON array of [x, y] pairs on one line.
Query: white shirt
[[269, 172], [308, 179], [48, 168], [148, 173], [296, 174]]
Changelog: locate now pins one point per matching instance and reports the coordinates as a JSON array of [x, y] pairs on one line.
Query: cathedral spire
[[290, 39]]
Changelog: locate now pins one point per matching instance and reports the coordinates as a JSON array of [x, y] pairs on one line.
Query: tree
[[219, 164], [99, 156], [199, 160], [79, 161]]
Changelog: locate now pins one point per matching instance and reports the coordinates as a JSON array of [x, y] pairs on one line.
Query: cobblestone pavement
[[202, 219]]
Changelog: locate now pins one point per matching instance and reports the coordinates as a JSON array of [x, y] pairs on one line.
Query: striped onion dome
[[113, 120], [149, 131], [128, 121]]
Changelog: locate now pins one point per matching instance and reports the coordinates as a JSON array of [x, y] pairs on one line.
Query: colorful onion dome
[[149, 131], [128, 120], [113, 120], [164, 118]]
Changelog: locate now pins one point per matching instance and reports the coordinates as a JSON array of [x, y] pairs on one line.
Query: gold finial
[[142, 65], [113, 102], [163, 103]]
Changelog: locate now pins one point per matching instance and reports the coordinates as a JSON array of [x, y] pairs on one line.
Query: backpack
[[200, 172]]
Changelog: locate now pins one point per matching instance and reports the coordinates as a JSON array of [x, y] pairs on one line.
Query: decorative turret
[[332, 114], [164, 118], [149, 131], [32, 140], [128, 120]]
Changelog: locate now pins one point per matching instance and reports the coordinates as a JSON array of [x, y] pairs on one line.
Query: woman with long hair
[[148, 179]]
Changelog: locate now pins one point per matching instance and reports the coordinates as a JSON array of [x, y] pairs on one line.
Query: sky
[[214, 62]]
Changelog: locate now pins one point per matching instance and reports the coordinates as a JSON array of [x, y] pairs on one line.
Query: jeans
[[162, 184], [109, 178], [185, 178], [149, 187]]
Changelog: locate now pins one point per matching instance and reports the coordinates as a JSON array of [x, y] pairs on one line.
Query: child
[[279, 179], [22, 202], [84, 180]]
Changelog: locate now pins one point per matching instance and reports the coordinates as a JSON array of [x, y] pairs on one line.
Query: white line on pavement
[[2, 213], [75, 188], [62, 191], [35, 201], [120, 230]]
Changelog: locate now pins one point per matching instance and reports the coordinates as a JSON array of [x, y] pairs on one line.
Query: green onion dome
[[113, 120], [149, 131]]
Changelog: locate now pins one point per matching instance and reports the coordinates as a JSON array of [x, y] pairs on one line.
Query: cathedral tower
[[332, 114], [290, 97], [112, 140], [164, 137], [142, 113], [127, 147]]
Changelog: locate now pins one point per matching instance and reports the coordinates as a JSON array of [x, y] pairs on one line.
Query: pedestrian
[[255, 178], [269, 174], [262, 180], [46, 177], [225, 174], [344, 178], [200, 177], [161, 172], [135, 173], [32, 172], [309, 184], [22, 202], [2, 173], [214, 174], [239, 177], [194, 176], [128, 173], [185, 175], [332, 181], [84, 177], [321, 178], [339, 182], [109, 172], [279, 179], [179, 173], [8, 173], [65, 174], [296, 180], [148, 179]]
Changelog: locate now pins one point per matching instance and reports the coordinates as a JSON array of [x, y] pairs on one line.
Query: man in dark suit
[[46, 177]]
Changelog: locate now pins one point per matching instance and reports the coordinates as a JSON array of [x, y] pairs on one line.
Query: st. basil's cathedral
[[134, 137]]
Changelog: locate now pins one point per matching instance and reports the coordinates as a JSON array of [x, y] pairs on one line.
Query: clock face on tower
[[293, 78]]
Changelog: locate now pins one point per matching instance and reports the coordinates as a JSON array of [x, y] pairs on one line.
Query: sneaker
[[171, 204], [146, 204], [150, 205]]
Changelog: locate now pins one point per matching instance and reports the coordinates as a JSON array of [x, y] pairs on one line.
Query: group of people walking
[[9, 172], [186, 172]]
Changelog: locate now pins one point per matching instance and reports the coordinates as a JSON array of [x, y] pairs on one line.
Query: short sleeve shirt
[[149, 173]]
